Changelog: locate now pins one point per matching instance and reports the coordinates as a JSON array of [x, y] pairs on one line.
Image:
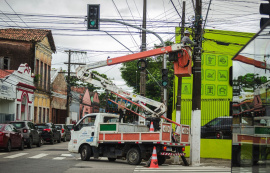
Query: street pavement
[[56, 159]]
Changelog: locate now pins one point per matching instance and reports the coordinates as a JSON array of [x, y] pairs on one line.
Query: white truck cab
[[86, 130]]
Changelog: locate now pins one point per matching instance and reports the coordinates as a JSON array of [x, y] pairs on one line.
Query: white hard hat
[[186, 32]]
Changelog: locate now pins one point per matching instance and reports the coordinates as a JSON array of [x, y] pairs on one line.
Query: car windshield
[[43, 126], [110, 119], [58, 127], [70, 127], [18, 125], [214, 122]]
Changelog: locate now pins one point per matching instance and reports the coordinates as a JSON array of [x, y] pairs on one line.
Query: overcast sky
[[66, 19]]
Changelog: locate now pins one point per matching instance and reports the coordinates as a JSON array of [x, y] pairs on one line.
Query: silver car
[[65, 132]]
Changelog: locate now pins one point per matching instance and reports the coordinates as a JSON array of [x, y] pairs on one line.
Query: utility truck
[[106, 135]]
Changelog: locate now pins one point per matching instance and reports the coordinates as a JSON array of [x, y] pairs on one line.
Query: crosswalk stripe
[[66, 155], [59, 158], [15, 155], [38, 156], [2, 153]]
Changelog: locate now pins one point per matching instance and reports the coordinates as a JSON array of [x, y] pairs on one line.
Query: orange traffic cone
[[154, 161], [151, 127]]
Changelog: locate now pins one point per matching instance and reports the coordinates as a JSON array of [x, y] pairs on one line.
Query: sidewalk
[[205, 162]]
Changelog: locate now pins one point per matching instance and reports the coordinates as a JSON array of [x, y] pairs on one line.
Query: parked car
[[218, 128], [65, 132], [49, 132], [70, 126], [10, 138], [29, 131]]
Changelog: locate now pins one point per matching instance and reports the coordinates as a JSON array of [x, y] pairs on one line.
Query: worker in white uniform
[[186, 39]]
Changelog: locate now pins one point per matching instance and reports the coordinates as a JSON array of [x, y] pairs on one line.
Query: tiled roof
[[35, 35], [4, 73]]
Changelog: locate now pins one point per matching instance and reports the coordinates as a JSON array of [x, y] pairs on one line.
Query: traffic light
[[264, 9], [93, 17], [164, 77]]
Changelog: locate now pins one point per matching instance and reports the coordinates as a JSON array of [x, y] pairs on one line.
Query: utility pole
[[196, 97], [68, 78], [143, 48], [179, 88]]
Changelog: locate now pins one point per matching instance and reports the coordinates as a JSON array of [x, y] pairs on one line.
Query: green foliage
[[251, 80], [153, 84]]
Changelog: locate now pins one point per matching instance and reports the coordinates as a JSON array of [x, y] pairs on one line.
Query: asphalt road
[[56, 159]]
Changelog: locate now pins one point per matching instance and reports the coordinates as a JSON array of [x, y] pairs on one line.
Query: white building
[[16, 94]]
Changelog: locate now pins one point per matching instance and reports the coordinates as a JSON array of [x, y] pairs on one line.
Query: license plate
[[169, 149]]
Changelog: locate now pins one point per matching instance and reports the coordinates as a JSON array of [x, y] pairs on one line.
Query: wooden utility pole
[[196, 97], [143, 48], [68, 78]]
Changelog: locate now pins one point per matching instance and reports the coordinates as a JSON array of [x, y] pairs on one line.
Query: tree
[[131, 75]]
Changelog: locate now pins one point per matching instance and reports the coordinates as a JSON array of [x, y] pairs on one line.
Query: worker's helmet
[[186, 32]]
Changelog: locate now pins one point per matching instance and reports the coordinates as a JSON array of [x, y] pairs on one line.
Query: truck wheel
[[161, 160], [85, 153], [111, 159], [134, 156]]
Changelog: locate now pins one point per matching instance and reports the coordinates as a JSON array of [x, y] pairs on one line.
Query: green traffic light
[[164, 83], [92, 23]]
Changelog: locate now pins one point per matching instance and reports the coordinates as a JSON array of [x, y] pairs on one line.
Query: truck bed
[[121, 133]]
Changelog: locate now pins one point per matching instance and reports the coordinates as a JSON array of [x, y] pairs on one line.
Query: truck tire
[[134, 156], [161, 160], [85, 153]]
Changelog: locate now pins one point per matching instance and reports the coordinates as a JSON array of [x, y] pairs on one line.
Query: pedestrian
[[186, 39]]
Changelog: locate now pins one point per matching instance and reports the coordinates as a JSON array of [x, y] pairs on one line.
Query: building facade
[[16, 94], [34, 47]]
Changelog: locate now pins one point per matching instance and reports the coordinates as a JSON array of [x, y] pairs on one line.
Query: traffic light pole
[[162, 44]]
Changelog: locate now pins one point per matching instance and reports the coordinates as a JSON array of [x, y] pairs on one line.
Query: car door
[[67, 131], [34, 132], [55, 132], [84, 131], [16, 136]]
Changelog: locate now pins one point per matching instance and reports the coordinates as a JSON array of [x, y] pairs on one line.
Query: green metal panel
[[262, 130], [107, 127]]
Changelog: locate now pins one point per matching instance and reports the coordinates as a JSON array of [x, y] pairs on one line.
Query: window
[[48, 113], [45, 76], [44, 115], [39, 117], [41, 73], [4, 63], [49, 77], [86, 122]]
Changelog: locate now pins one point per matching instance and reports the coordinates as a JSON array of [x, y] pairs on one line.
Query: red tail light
[[24, 130], [48, 130], [63, 130], [165, 148], [183, 149]]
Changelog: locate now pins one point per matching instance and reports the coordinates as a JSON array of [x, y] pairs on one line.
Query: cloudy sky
[[66, 19]]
